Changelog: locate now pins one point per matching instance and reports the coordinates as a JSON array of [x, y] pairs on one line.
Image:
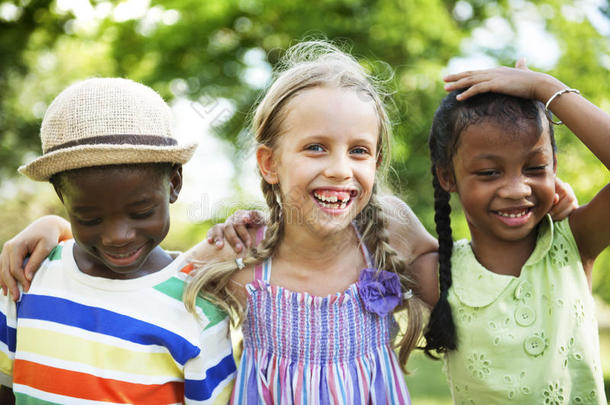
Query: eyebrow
[[491, 156], [84, 209], [143, 201]]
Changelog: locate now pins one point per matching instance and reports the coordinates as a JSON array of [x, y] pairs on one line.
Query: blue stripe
[[99, 320], [200, 390], [8, 335]]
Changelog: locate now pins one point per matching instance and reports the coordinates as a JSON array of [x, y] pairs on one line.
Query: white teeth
[[517, 215], [331, 199], [334, 206]]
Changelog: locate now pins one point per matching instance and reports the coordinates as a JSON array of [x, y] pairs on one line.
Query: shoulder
[[407, 234]]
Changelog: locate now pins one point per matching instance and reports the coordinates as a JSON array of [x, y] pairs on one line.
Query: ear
[[446, 179], [175, 183], [266, 164]]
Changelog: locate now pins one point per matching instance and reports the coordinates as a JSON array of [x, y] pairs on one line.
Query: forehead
[[331, 111], [492, 138], [118, 182]]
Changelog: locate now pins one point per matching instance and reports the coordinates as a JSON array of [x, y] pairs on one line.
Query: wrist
[[547, 87]]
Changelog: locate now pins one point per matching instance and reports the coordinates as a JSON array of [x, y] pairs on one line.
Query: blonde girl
[[319, 290]]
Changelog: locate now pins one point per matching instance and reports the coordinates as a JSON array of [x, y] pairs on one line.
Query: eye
[[143, 215], [89, 222], [314, 147], [536, 168], [487, 173], [360, 150]]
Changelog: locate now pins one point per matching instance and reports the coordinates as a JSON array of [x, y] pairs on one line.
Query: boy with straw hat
[[103, 319]]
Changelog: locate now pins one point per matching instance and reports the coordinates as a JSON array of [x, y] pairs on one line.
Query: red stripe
[[188, 268], [86, 386]]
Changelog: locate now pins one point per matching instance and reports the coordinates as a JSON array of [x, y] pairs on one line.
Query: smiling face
[[325, 159], [119, 215], [505, 179]]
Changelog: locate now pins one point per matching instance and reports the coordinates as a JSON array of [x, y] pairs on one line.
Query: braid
[[212, 281], [440, 332], [373, 222]]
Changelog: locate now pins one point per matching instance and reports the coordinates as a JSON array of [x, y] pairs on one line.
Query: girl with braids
[[515, 315], [318, 306]]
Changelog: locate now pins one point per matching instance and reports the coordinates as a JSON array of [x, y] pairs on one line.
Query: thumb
[[521, 63]]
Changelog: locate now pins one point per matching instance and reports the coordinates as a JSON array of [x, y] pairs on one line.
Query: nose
[[339, 167], [117, 233], [515, 187]]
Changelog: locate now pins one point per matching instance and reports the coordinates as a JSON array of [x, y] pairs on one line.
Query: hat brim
[[42, 168]]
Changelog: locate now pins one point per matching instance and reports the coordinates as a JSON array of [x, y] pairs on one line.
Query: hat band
[[117, 140]]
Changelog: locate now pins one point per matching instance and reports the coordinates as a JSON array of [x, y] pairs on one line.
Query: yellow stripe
[[224, 396], [102, 356], [6, 364]]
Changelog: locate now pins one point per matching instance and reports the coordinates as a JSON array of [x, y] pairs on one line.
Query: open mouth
[[334, 199], [514, 217], [514, 213], [123, 258]]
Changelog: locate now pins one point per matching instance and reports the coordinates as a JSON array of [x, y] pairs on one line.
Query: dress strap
[[365, 251], [262, 271]]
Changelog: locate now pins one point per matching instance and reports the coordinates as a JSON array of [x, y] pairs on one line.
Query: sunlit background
[[212, 59]]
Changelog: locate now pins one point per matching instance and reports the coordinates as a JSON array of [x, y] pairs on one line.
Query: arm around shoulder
[[415, 244]]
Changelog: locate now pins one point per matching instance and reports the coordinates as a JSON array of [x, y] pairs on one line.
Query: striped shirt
[[78, 339]]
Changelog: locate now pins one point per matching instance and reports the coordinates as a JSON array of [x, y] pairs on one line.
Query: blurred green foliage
[[205, 50]]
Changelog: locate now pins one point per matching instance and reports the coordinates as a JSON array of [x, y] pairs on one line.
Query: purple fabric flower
[[379, 292]]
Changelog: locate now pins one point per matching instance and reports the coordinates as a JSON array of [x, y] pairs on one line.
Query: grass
[[427, 383]]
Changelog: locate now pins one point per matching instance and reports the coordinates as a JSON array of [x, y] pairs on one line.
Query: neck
[[314, 250], [503, 257]]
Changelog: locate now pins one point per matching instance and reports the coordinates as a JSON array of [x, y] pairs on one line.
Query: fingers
[[473, 90], [560, 212], [38, 255], [565, 201], [257, 218], [9, 285], [521, 63], [4, 265], [232, 237], [216, 236]]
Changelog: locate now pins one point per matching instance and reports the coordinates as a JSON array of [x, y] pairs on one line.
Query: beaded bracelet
[[557, 94]]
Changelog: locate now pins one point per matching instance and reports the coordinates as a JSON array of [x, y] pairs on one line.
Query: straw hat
[[105, 121]]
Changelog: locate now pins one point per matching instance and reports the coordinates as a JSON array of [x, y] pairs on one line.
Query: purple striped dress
[[303, 349]]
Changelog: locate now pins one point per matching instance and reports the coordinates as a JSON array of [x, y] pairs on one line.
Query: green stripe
[[174, 288], [56, 253], [24, 399]]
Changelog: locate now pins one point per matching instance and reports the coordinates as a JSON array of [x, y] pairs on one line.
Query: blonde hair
[[304, 66]]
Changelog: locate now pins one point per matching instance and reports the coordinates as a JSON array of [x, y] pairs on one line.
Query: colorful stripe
[[304, 349], [69, 348], [85, 341], [202, 390], [81, 385], [8, 335], [94, 319], [174, 288]]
